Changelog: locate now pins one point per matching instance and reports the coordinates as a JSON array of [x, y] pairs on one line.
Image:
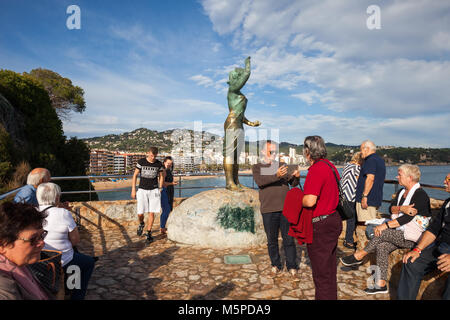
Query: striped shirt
[[349, 180]]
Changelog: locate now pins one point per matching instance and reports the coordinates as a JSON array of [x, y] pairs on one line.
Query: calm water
[[433, 175]]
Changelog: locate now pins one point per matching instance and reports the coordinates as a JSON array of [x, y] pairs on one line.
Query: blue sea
[[433, 175]]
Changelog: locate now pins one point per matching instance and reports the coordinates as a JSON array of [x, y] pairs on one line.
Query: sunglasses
[[447, 179], [35, 240]]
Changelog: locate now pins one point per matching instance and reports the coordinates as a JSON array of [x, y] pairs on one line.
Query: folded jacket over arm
[[300, 219]]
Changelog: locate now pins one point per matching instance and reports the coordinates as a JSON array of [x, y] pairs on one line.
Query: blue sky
[[316, 67]]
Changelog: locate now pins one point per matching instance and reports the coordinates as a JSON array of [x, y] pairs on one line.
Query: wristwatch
[[364, 195]]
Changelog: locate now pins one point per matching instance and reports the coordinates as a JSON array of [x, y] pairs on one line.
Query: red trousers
[[322, 254]]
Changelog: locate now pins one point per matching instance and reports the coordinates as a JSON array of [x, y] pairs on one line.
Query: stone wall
[[106, 215]]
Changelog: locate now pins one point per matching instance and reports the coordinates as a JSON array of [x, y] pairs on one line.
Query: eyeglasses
[[34, 241], [447, 179]]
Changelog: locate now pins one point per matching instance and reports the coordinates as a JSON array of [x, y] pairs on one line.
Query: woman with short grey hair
[[315, 147], [48, 194], [321, 196], [63, 235]]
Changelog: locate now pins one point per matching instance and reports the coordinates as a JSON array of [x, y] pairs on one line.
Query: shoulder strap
[[337, 181], [47, 208]]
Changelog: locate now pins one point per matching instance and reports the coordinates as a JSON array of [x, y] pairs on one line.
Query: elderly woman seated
[[21, 242], [410, 213], [63, 235]]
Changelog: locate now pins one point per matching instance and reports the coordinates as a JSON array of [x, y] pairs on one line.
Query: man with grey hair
[[369, 189], [273, 180], [27, 194]]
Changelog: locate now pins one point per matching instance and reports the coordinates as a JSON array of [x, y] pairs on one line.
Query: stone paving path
[[130, 270]]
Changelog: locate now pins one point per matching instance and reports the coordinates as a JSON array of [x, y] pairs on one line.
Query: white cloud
[[227, 15], [325, 47], [308, 97], [120, 102], [138, 38], [408, 131], [202, 80], [441, 40]]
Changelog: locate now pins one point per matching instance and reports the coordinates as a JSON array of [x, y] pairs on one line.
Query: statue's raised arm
[[238, 77]]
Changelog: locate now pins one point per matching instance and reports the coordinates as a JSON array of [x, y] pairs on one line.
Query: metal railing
[[179, 187], [108, 177]]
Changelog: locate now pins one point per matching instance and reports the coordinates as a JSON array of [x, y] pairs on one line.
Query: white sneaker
[[275, 270]]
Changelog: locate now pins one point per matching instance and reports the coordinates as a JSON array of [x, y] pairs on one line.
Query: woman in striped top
[[349, 180]]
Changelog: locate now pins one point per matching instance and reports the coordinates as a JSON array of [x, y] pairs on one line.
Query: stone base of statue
[[218, 219]]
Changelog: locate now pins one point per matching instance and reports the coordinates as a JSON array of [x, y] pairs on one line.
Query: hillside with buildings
[[191, 151], [140, 140], [203, 151]]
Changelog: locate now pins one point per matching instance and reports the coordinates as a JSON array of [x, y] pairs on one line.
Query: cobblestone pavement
[[128, 269]]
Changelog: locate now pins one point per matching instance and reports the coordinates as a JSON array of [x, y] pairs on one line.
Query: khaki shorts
[[365, 214]]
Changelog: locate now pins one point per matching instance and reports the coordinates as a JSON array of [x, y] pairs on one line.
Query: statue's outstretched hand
[[256, 123]]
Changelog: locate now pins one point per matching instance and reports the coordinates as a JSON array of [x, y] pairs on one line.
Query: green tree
[[5, 158], [64, 96], [42, 127], [46, 145], [75, 155]]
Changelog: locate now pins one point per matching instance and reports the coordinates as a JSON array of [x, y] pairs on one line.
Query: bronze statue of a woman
[[234, 129]]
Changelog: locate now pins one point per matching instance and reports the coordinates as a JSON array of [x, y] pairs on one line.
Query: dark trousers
[[412, 274], [351, 226], [322, 255], [273, 223], [166, 208], [86, 265]]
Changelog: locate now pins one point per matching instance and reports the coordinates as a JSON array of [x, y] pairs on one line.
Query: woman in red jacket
[[321, 194]]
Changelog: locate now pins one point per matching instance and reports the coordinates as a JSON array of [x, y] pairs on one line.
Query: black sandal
[[350, 246]]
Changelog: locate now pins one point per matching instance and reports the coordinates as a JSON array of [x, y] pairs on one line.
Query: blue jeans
[[86, 265], [165, 207], [351, 226], [412, 274], [273, 223]]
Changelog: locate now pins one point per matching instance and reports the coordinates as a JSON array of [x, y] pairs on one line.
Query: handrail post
[[179, 186], [89, 182]]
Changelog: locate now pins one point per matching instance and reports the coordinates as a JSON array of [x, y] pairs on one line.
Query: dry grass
[[19, 177]]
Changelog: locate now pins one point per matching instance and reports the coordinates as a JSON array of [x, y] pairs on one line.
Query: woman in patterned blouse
[[349, 179]]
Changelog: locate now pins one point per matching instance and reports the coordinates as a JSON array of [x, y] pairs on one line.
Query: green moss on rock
[[237, 218]]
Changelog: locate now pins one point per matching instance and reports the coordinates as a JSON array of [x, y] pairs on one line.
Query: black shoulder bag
[[48, 271], [344, 206]]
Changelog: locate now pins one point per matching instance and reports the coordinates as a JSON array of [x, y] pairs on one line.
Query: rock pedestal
[[218, 219]]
